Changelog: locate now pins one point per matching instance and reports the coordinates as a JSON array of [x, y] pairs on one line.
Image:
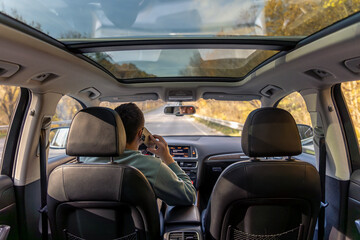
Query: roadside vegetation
[[220, 128]]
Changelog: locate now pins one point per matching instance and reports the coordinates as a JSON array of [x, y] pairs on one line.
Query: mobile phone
[[146, 137]]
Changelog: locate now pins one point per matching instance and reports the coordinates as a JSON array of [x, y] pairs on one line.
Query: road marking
[[203, 132]]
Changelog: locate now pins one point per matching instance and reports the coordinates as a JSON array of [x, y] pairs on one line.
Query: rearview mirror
[[58, 137], [179, 110]]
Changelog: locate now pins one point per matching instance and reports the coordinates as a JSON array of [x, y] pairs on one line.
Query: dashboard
[[192, 153], [186, 158]]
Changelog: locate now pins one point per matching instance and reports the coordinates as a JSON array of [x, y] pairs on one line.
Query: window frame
[[347, 127], [14, 133]]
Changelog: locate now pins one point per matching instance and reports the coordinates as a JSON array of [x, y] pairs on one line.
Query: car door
[[347, 96], [13, 103]]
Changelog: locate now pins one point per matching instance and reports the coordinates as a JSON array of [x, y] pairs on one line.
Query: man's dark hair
[[132, 118]]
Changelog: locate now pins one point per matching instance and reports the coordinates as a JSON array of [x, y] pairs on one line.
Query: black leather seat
[[263, 198], [100, 201]]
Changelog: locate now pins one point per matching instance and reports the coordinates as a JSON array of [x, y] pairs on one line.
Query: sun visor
[[229, 97], [132, 98]]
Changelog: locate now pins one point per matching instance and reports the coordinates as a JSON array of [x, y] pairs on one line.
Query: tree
[[9, 96], [123, 71]]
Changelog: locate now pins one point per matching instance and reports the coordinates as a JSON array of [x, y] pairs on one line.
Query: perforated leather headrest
[[270, 132], [98, 132]]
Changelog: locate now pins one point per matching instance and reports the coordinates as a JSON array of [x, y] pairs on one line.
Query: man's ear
[[139, 133]]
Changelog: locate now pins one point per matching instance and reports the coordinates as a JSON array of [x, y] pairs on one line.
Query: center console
[[187, 158], [182, 223]]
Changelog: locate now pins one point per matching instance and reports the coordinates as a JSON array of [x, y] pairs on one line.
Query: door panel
[[8, 206], [353, 206]]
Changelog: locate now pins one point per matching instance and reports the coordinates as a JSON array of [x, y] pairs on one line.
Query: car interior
[[258, 171]]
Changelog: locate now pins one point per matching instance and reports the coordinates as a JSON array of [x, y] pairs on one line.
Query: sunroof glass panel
[[68, 19], [224, 63]]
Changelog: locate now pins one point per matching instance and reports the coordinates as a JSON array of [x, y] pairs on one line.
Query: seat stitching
[[63, 182]]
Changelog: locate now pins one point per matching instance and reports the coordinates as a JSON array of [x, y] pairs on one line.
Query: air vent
[[43, 77], [191, 236], [176, 236], [319, 74], [183, 236]]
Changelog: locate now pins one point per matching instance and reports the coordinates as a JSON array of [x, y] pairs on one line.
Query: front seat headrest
[[270, 132], [96, 131]]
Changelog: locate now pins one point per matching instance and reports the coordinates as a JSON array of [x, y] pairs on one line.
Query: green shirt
[[170, 183]]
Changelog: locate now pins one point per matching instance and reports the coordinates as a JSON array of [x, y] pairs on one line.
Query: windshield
[[69, 19], [222, 118]]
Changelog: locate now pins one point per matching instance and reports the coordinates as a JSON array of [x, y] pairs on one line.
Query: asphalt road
[[159, 123]]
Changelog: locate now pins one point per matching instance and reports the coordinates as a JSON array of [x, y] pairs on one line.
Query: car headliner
[[70, 74]]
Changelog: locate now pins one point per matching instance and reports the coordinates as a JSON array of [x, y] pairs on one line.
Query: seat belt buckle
[[43, 210], [324, 204]]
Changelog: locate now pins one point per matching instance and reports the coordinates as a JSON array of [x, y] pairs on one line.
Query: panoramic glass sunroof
[[83, 19], [225, 63]]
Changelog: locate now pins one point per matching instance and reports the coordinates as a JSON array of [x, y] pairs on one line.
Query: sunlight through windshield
[[212, 117]]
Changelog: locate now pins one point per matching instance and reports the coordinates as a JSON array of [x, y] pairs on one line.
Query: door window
[[8, 99], [65, 111], [351, 92], [295, 104]]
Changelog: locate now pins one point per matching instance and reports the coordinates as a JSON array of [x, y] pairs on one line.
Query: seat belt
[[43, 179], [322, 173]]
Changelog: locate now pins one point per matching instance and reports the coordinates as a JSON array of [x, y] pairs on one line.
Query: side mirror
[[305, 131], [58, 137], [179, 110]]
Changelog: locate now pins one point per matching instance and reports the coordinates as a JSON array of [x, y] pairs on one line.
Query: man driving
[[170, 183]]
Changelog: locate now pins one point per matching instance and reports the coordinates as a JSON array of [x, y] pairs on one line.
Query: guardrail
[[230, 124], [5, 127]]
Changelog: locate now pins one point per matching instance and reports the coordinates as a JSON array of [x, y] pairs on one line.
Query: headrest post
[[78, 159], [112, 160]]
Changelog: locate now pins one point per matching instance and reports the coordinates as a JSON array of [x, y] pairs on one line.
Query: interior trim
[[265, 43], [11, 143], [350, 138], [230, 156]]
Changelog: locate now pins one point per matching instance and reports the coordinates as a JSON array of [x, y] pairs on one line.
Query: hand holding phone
[[145, 137], [160, 149]]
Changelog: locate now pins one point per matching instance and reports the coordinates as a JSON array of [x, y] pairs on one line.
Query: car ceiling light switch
[[42, 77], [319, 74]]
